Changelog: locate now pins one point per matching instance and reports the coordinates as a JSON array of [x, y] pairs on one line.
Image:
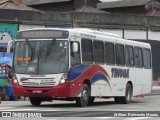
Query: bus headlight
[[63, 78], [15, 79], [62, 81]]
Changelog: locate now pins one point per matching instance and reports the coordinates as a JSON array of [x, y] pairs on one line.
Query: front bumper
[[61, 90]]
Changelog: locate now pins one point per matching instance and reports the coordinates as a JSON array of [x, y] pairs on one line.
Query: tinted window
[[129, 56], [98, 51], [146, 58], [109, 53], [87, 50], [138, 57], [119, 54]]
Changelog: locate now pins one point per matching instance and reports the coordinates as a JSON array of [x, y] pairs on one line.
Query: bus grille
[[36, 84]]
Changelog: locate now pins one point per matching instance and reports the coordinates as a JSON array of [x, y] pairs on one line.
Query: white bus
[[79, 64]]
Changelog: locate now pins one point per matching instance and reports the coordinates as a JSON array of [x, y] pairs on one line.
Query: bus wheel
[[83, 100], [36, 101], [4, 94], [91, 100], [117, 99], [127, 98]]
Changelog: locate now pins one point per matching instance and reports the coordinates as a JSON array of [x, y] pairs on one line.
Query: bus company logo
[[87, 35], [6, 114], [36, 83], [120, 73]]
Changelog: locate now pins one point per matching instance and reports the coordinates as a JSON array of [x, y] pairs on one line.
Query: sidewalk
[[155, 91], [155, 88]]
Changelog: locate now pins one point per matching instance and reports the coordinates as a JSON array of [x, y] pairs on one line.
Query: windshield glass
[[41, 57]]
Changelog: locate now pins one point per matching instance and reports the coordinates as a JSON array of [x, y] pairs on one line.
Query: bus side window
[[120, 54], [109, 53], [147, 58], [138, 57], [98, 51], [129, 56], [87, 50]]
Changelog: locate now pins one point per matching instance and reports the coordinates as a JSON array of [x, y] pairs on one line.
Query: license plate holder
[[37, 91]]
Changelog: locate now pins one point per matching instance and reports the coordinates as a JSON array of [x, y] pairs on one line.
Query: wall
[[7, 33], [25, 27]]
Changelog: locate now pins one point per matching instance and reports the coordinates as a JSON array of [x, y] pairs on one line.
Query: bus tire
[[128, 93], [36, 101], [117, 100], [4, 94], [91, 100], [83, 100]]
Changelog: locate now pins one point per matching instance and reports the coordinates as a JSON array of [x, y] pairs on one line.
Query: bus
[[80, 65]]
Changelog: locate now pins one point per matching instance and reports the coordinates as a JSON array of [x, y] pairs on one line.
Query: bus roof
[[111, 37], [94, 34]]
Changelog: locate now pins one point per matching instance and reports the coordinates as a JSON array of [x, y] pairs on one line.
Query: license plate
[[37, 91]]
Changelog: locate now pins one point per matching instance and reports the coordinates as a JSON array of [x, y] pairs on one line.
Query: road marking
[[60, 109], [20, 110], [103, 109], [134, 118], [104, 117], [1, 108], [138, 118], [51, 119], [29, 109]]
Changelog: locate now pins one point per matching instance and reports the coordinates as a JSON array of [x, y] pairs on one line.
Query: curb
[[152, 94], [155, 88], [155, 91], [141, 95]]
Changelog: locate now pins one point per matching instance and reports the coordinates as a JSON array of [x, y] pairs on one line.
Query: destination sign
[[42, 34]]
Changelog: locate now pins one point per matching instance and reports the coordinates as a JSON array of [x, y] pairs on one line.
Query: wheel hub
[[84, 95]]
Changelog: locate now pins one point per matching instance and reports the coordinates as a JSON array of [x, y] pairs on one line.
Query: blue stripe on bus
[[76, 71], [98, 76]]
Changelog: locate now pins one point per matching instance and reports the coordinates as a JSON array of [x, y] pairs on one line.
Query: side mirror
[[74, 46]]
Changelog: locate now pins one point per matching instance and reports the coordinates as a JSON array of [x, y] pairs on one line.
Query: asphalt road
[[147, 108]]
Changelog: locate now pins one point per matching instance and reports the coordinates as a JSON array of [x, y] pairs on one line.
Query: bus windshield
[[41, 57]]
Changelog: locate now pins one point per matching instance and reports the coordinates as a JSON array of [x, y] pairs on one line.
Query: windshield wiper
[[32, 49], [50, 47]]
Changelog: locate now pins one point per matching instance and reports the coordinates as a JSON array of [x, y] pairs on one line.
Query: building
[[60, 5], [140, 7], [9, 28], [14, 5]]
